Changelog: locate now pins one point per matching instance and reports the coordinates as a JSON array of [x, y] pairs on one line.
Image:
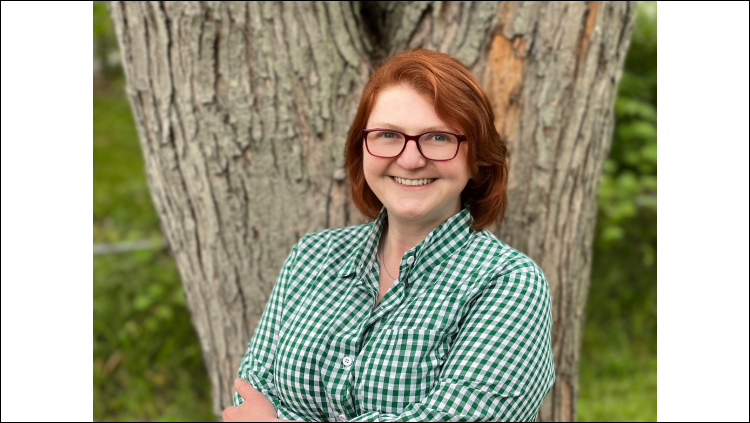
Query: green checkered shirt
[[463, 334]]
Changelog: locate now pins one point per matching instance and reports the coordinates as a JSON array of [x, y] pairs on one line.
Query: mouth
[[413, 183]]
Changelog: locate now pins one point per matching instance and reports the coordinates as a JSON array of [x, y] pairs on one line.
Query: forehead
[[404, 109]]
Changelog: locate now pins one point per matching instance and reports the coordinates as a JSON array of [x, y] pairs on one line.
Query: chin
[[411, 212]]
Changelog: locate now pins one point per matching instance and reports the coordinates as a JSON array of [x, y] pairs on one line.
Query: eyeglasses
[[437, 146]]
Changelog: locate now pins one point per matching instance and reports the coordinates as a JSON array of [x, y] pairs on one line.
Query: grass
[[617, 377], [147, 359], [122, 203], [618, 387]]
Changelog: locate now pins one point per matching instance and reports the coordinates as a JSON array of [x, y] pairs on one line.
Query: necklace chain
[[382, 260]]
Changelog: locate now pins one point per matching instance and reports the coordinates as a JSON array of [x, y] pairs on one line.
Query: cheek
[[370, 171], [459, 167], [367, 167], [372, 166], [463, 155]]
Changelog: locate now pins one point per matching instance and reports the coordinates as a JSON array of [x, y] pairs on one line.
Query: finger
[[244, 388], [227, 414]]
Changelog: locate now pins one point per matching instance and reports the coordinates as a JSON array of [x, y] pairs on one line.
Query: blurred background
[[147, 360]]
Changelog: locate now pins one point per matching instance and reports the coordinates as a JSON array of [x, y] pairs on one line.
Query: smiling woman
[[421, 314], [425, 91], [407, 204]]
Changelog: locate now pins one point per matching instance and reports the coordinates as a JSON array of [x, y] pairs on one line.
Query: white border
[[702, 266], [47, 171]]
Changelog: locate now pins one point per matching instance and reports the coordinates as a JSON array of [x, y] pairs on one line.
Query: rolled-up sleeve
[[500, 366], [257, 364]]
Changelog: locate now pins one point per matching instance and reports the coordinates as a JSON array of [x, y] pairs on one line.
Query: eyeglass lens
[[434, 145]]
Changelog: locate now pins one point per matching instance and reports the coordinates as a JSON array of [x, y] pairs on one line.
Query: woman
[[420, 315]]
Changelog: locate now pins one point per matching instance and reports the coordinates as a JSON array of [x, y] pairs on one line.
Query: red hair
[[459, 101]]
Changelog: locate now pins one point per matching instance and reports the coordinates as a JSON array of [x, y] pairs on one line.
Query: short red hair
[[459, 101]]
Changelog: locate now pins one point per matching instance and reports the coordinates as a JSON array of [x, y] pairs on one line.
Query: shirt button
[[347, 361], [410, 260], [342, 417]]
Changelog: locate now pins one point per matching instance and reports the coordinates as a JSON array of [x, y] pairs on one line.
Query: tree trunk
[[242, 110]]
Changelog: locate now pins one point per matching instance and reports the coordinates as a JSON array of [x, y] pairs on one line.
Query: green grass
[[122, 203], [618, 356], [618, 387], [147, 360], [617, 375]]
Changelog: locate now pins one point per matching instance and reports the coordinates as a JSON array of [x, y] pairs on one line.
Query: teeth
[[413, 182]]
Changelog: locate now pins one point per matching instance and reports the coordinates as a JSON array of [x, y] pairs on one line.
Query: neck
[[400, 236]]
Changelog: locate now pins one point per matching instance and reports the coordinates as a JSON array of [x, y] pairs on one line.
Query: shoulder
[[332, 244], [334, 237], [514, 279], [505, 262]]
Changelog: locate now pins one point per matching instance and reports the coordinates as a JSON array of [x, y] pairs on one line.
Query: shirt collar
[[443, 241]]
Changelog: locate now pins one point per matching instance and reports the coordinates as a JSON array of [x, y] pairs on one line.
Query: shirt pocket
[[401, 369]]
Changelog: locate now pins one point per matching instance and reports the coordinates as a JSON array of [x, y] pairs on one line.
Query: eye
[[385, 135]]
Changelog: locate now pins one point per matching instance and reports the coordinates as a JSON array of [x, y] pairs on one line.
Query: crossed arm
[[254, 408]]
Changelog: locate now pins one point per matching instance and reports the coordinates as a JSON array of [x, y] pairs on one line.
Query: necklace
[[383, 261]]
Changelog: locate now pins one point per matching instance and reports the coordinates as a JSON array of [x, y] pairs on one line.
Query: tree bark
[[242, 110]]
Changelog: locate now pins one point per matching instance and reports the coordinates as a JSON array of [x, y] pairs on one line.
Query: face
[[403, 109]]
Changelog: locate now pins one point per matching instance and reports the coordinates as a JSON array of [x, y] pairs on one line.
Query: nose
[[411, 158]]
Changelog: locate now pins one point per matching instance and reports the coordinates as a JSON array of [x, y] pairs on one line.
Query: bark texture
[[242, 110]]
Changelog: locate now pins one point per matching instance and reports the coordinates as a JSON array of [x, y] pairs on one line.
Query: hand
[[254, 408]]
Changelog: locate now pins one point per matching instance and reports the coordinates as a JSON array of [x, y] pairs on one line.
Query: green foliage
[[624, 268], [105, 42], [102, 23], [627, 194], [618, 359]]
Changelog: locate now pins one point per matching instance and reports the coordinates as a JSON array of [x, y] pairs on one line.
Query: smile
[[413, 182]]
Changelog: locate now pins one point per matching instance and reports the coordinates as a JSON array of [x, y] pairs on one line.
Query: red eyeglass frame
[[461, 138]]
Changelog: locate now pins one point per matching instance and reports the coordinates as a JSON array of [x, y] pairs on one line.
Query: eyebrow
[[427, 129]]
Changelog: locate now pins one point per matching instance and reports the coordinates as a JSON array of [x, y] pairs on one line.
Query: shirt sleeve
[[256, 366], [500, 366]]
